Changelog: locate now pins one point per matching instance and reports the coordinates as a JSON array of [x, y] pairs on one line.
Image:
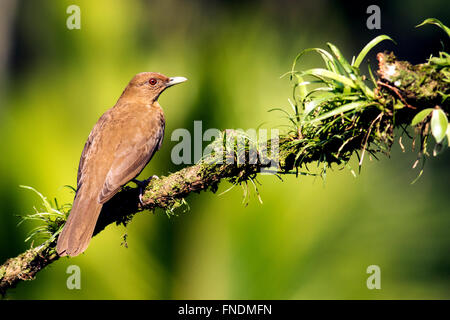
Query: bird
[[120, 145]]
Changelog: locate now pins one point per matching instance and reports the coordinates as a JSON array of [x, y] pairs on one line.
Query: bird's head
[[147, 86]]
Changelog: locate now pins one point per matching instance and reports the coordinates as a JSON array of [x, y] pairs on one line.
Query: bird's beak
[[176, 80]]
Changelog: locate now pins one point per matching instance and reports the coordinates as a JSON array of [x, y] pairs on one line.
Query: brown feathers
[[119, 146]]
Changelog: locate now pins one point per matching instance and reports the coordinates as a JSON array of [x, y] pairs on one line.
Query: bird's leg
[[142, 184]]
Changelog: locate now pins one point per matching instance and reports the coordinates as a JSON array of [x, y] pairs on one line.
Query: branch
[[399, 83]]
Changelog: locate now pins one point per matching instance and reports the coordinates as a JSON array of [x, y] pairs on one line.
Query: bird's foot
[[142, 184]]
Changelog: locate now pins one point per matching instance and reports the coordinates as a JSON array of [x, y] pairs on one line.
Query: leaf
[[340, 58], [439, 124], [369, 47], [319, 72], [344, 108], [311, 105], [326, 56], [302, 87], [44, 200], [419, 117], [448, 135], [374, 81], [322, 91], [437, 23]]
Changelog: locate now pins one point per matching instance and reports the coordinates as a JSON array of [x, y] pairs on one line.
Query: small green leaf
[[319, 72], [344, 108], [420, 116], [448, 135], [399, 105], [340, 58], [436, 22], [326, 56], [302, 87], [439, 124], [369, 47]]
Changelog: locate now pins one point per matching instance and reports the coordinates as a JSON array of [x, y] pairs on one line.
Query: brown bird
[[119, 146]]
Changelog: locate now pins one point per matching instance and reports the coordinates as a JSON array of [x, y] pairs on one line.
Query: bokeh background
[[309, 239]]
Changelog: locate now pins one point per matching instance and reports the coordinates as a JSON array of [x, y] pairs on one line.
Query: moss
[[2, 272], [425, 85]]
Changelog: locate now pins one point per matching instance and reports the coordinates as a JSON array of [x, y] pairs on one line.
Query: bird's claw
[[142, 184]]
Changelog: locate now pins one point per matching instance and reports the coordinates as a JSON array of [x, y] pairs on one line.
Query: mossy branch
[[402, 91]]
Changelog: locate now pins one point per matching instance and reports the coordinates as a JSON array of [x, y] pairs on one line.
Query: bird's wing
[[137, 146], [87, 147]]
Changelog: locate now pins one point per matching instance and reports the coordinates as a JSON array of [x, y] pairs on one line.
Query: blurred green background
[[308, 240]]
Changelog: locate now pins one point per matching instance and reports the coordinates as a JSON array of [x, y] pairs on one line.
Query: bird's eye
[[152, 81]]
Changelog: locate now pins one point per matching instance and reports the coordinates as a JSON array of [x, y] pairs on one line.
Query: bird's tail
[[78, 230]]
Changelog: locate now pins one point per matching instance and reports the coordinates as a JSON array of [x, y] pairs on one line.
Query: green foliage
[[338, 112], [439, 124], [242, 148], [50, 217], [419, 117], [328, 105], [368, 48], [437, 23], [438, 121]]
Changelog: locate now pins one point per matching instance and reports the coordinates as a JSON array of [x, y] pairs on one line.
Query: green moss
[[2, 272]]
